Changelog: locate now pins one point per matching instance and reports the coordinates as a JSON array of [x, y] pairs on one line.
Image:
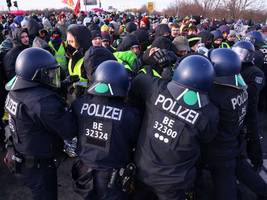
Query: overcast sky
[[120, 4]]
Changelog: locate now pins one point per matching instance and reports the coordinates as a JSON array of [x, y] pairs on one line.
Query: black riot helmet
[[35, 66], [191, 81], [245, 50], [225, 61], [256, 38], [227, 66], [110, 79]]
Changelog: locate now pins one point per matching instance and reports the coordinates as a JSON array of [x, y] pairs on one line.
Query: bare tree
[[236, 7], [208, 4], [247, 9]]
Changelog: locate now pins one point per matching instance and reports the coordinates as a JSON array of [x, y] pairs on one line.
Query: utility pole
[[8, 3]]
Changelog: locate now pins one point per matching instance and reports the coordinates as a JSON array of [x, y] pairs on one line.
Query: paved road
[[11, 189]]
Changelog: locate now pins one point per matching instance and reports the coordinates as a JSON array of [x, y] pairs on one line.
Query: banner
[[77, 7], [69, 3], [90, 2]]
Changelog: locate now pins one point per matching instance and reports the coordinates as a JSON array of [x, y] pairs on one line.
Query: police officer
[[108, 130], [35, 111], [260, 60], [255, 80], [230, 96], [177, 118]]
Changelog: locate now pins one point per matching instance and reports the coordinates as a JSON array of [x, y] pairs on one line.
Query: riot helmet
[[35, 66], [227, 66], [256, 38], [245, 50], [110, 79], [191, 81]]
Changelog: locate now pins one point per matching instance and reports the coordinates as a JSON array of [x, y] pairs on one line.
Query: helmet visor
[[242, 53], [49, 76]]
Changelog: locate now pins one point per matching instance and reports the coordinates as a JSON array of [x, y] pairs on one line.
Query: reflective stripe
[[155, 73], [194, 39], [59, 55], [77, 71], [226, 44]]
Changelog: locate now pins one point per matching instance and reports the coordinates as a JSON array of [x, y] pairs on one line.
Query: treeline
[[228, 9]]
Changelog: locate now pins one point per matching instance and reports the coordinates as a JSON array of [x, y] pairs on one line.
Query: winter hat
[[181, 43]]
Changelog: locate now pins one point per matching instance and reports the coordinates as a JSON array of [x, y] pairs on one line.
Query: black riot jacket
[[38, 122], [254, 77], [232, 104], [169, 141], [108, 130]]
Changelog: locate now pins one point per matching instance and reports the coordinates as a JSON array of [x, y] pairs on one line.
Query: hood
[[143, 38], [162, 29], [33, 27], [164, 43], [94, 56], [16, 36], [127, 42], [82, 35]]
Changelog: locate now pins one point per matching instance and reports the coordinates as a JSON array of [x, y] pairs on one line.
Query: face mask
[[216, 45], [70, 50]]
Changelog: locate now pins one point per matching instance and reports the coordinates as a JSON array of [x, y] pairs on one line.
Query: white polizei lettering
[[116, 113], [169, 105], [108, 112], [164, 106], [85, 107], [99, 114], [233, 102], [239, 99], [89, 109], [192, 116], [160, 99], [102, 111], [172, 108], [178, 110], [120, 114], [183, 112]]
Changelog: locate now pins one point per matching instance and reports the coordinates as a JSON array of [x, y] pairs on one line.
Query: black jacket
[[12, 54], [169, 141], [38, 121], [108, 130], [254, 77]]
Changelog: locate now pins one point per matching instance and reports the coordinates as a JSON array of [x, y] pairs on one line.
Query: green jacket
[[127, 58]]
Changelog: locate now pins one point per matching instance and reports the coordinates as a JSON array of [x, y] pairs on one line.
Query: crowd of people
[[144, 104]]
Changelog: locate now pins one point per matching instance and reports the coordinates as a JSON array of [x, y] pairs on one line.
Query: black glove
[[70, 79], [161, 58], [254, 153], [9, 161]]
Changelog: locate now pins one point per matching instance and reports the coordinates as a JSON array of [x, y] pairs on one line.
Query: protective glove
[[9, 159], [254, 153], [161, 58]]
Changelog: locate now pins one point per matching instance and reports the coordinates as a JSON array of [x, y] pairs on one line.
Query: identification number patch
[[167, 130], [98, 134]]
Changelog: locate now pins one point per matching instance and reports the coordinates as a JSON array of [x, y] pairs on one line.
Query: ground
[[11, 189]]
